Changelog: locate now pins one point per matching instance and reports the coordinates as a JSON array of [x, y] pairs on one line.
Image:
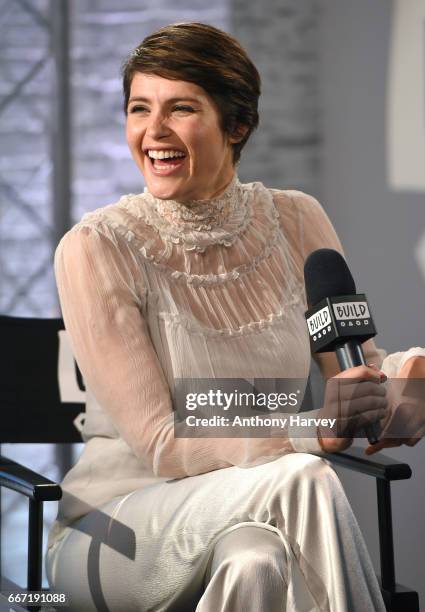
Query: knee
[[320, 471], [315, 472], [316, 467], [250, 552]]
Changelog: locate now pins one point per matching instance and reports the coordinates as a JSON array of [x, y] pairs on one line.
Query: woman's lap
[[150, 549]]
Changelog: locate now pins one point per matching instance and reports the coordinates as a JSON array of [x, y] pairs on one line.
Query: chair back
[[42, 392]]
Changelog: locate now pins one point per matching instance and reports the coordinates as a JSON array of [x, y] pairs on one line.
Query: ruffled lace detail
[[247, 216], [214, 279], [261, 229], [243, 330], [196, 224]]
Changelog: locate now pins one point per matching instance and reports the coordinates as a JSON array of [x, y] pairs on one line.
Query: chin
[[165, 194], [165, 190]]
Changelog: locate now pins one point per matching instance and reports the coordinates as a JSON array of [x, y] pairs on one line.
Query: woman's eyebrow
[[169, 100]]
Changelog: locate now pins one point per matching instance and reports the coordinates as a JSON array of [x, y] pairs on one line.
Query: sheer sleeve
[[102, 310]]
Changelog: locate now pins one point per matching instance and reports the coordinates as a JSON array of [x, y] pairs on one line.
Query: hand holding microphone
[[357, 400], [406, 424], [339, 320]]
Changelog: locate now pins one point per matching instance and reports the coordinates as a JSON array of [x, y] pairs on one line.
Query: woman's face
[[174, 134]]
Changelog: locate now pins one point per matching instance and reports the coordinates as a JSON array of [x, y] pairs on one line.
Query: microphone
[[338, 318]]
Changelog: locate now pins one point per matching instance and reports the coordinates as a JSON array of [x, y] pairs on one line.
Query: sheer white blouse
[[154, 290]]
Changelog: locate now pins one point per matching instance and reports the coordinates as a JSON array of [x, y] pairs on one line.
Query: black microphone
[[338, 318]]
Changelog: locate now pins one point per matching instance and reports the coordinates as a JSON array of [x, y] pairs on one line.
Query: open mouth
[[165, 161]]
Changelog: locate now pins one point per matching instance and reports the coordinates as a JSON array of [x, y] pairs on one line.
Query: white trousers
[[276, 537]]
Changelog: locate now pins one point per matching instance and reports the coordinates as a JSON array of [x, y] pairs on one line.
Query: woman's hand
[[356, 399], [407, 417]]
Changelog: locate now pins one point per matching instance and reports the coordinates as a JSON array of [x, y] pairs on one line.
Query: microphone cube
[[337, 319]]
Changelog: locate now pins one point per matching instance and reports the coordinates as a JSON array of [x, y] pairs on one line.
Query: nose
[[157, 126]]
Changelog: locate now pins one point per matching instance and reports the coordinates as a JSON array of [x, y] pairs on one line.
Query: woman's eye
[[138, 109], [183, 108]]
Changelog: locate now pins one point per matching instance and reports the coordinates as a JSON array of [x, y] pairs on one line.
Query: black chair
[[41, 394], [42, 401]]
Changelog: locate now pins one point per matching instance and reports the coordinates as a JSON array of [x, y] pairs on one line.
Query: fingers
[[361, 397], [359, 382], [390, 443], [374, 448], [407, 422], [363, 372], [348, 426], [353, 423], [338, 390], [367, 403], [370, 417], [413, 441], [383, 443], [355, 399], [361, 390]]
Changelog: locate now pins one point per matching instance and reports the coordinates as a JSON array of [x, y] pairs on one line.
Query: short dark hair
[[214, 60]]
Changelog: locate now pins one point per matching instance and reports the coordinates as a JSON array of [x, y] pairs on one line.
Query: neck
[[202, 214], [203, 197]]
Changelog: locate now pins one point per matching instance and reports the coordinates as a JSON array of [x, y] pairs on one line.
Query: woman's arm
[[102, 310], [316, 232]]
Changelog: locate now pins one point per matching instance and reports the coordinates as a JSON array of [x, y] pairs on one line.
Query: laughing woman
[[200, 276]]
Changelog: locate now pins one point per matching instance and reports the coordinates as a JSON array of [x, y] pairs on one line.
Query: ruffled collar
[[198, 215], [197, 224]]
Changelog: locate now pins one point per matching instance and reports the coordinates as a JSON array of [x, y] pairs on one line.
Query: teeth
[[164, 154]]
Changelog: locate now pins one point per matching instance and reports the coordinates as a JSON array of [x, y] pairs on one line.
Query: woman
[[199, 277]]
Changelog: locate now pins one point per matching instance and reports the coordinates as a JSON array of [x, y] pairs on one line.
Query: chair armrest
[[19, 478], [381, 466]]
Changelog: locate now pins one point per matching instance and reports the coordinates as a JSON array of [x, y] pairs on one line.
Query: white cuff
[[309, 442]]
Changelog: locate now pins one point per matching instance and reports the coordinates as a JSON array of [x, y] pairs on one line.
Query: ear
[[238, 133]]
